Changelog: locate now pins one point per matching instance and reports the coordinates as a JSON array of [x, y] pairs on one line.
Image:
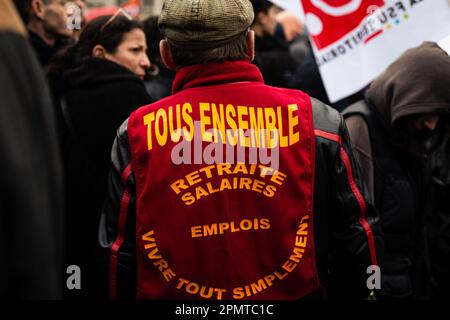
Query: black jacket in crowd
[[99, 95], [44, 52], [30, 185], [274, 59]]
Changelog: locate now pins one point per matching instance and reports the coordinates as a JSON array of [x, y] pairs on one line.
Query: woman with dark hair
[[96, 84]]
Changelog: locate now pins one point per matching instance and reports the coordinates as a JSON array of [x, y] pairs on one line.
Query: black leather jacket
[[347, 234]]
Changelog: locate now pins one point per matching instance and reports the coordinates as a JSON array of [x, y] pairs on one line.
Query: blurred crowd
[[67, 91]]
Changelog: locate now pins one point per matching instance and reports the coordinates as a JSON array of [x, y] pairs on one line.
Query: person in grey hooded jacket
[[400, 133]]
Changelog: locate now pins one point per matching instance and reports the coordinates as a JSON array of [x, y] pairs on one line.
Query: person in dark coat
[[31, 226], [158, 81], [272, 51], [46, 22], [401, 138], [98, 83]]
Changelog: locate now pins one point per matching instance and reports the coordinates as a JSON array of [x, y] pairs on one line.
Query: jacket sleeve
[[117, 224], [348, 238], [355, 236], [359, 135]]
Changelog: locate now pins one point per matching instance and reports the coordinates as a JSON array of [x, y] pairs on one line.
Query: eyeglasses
[[114, 16]]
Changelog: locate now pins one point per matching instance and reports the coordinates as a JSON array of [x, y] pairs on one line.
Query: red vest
[[211, 225]]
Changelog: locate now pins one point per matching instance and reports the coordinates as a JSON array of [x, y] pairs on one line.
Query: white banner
[[354, 41], [445, 44], [293, 6]]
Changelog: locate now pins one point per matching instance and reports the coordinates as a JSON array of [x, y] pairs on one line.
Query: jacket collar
[[95, 71], [216, 73]]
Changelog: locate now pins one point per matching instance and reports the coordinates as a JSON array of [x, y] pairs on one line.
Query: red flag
[[330, 20]]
